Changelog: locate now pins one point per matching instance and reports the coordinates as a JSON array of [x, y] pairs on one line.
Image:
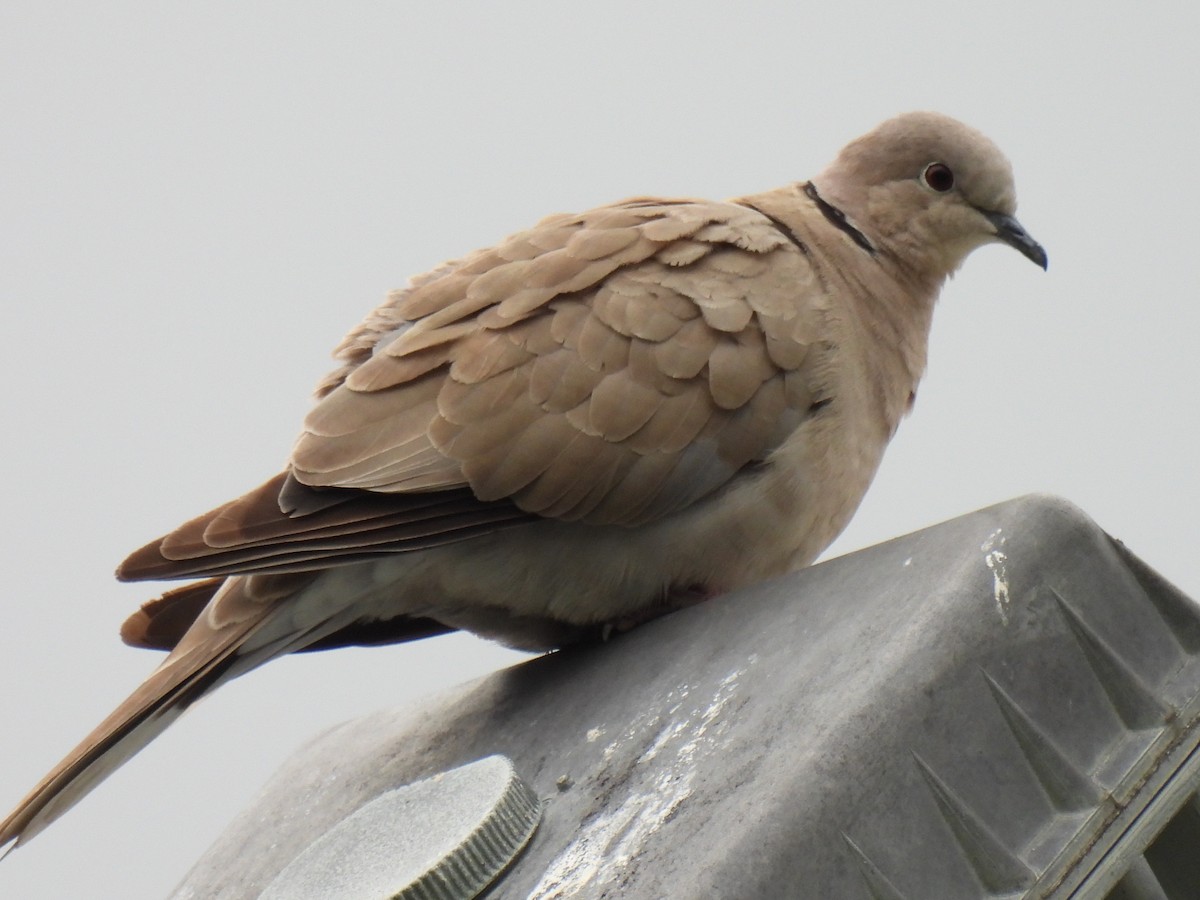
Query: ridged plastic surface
[[1002, 706]]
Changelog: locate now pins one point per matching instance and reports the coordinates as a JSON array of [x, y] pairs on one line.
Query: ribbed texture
[[471, 867], [445, 837], [1105, 799]]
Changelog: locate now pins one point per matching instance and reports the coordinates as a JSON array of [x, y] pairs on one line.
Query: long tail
[[227, 640]]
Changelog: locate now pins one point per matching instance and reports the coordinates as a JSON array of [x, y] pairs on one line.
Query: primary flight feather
[[599, 419]]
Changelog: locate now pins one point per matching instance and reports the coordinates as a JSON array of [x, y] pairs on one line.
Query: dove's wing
[[609, 367]]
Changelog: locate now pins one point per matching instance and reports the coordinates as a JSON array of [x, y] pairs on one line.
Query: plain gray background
[[198, 200]]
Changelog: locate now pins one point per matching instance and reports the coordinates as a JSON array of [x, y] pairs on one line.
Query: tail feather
[[162, 621], [157, 702], [249, 620]]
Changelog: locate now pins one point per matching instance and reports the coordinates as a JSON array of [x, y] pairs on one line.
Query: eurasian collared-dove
[[597, 420]]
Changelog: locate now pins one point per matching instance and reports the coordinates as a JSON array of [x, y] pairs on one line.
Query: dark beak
[[1012, 233]]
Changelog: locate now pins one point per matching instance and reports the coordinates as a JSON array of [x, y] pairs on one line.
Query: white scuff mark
[[996, 560], [657, 782], [594, 734], [908, 562]]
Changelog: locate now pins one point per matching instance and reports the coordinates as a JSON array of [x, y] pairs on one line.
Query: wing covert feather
[[612, 366]]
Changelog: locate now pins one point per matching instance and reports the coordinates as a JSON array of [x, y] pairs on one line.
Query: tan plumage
[[590, 423]]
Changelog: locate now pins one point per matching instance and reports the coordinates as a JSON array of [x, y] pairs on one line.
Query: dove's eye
[[939, 177]]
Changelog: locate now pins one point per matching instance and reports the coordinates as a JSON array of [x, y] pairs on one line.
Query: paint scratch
[[996, 560]]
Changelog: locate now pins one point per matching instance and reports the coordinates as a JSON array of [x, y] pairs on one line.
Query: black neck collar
[[838, 218]]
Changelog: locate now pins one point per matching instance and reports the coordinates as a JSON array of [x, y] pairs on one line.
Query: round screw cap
[[446, 837]]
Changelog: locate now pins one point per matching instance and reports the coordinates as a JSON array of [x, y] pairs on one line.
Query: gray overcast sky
[[198, 200]]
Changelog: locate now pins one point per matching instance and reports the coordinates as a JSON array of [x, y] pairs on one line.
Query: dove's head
[[929, 190]]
